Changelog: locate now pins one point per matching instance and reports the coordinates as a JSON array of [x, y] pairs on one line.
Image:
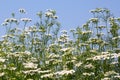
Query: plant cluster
[[40, 52]]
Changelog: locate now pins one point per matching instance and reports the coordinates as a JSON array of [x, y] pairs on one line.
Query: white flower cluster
[[19, 54], [118, 76], [12, 68], [106, 78], [2, 74], [94, 20], [89, 66], [9, 20], [53, 56], [50, 75], [30, 65], [105, 55], [78, 64], [109, 73], [58, 74], [65, 49], [22, 10], [88, 74], [87, 32], [51, 14], [98, 10], [2, 60], [115, 38], [31, 72], [4, 24], [65, 72], [26, 19]]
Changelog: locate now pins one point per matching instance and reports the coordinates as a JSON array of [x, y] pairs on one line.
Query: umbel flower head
[[22, 10], [51, 14], [30, 65], [4, 24], [26, 19], [10, 20]]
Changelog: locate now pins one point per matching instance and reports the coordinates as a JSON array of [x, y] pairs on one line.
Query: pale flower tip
[[64, 31], [2, 74], [30, 65], [4, 24], [22, 10], [26, 19]]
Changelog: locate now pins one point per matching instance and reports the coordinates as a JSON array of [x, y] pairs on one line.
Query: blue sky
[[72, 13]]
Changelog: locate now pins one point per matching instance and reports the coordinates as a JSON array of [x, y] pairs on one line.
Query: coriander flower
[[52, 11], [48, 35], [26, 19], [16, 54], [109, 73], [4, 24], [2, 74], [50, 75], [115, 38], [65, 49], [48, 14], [12, 68], [83, 44], [106, 78], [86, 32], [22, 11], [53, 56], [88, 74], [111, 19], [105, 53], [89, 66], [78, 64], [65, 72], [33, 59], [30, 65], [40, 14], [29, 79], [118, 76], [31, 72], [45, 71], [10, 20], [94, 20], [115, 62], [2, 60], [93, 51], [97, 10], [27, 53]]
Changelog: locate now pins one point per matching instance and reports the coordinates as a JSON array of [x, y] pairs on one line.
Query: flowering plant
[[40, 52]]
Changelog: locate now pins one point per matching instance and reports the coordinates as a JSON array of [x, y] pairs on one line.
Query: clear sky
[[71, 13]]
